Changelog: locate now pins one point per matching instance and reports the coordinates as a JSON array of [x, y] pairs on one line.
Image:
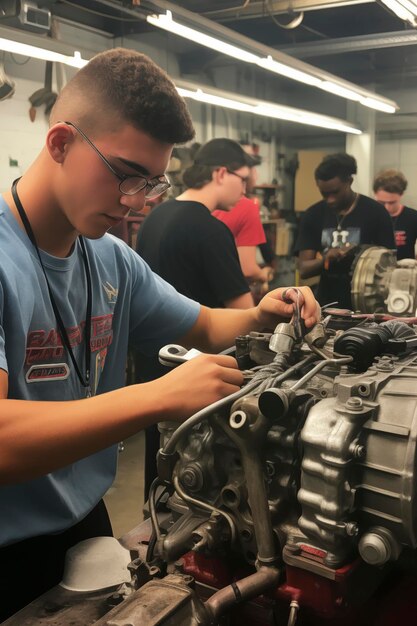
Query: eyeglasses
[[130, 184], [244, 179]]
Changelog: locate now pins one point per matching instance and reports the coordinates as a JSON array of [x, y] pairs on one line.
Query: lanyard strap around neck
[[85, 381]]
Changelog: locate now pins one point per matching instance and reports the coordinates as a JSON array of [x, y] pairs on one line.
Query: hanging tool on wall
[[45, 95], [7, 86]]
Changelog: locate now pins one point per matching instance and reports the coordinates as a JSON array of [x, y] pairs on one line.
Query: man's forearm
[[308, 269], [217, 329], [38, 437]]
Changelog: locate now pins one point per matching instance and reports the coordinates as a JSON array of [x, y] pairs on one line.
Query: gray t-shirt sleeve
[[158, 313]]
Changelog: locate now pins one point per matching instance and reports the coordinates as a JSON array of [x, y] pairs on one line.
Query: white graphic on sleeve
[[111, 292]]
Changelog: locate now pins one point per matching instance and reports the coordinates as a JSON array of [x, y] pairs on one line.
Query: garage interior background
[[360, 41]]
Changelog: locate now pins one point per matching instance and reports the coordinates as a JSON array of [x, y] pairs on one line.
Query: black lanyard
[[85, 381]]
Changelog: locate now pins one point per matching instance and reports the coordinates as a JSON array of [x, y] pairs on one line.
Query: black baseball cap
[[224, 152]]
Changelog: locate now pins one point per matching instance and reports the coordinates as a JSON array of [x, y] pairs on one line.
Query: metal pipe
[[294, 606], [206, 506], [200, 415], [240, 591], [195, 419], [317, 368], [250, 439], [258, 503]]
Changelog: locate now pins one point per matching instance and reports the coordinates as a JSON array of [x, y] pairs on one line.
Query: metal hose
[[240, 591]]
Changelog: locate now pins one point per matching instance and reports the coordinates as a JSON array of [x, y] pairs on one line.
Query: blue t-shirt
[[130, 304]]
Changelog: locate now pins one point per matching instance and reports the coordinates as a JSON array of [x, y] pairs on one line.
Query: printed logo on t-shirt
[[331, 238], [48, 371], [43, 346], [400, 238]]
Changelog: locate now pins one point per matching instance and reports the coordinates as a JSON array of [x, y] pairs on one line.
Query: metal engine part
[[290, 502], [380, 283], [313, 467]]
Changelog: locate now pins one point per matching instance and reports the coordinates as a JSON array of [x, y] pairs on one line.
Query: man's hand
[[272, 306], [198, 383], [266, 274], [333, 255]]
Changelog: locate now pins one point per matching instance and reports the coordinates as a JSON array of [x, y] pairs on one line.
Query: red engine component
[[322, 601]]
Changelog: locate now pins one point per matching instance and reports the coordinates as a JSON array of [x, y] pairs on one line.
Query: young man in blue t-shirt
[[72, 297]]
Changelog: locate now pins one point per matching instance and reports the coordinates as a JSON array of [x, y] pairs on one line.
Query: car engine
[[380, 283], [291, 502]]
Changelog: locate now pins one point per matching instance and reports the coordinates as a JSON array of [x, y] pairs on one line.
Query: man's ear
[[60, 136], [219, 174]]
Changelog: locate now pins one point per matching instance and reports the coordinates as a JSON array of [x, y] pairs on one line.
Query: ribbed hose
[[365, 343]]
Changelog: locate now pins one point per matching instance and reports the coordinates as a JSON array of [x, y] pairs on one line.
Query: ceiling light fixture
[[37, 52], [283, 64], [404, 9], [218, 97], [41, 53]]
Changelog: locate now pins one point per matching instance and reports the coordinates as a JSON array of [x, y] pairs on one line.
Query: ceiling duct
[[26, 15]]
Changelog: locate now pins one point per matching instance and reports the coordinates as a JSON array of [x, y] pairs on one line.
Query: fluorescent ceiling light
[[217, 97], [41, 53], [167, 23], [377, 104], [404, 9], [268, 63], [338, 90], [312, 76]]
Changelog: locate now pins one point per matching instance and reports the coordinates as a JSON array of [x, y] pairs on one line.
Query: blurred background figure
[[331, 229], [389, 187], [246, 226]]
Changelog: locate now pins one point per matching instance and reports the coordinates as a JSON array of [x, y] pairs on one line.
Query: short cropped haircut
[[340, 165], [124, 86], [392, 181]]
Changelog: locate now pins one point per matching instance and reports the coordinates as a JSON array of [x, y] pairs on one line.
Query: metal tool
[[172, 355], [296, 321]]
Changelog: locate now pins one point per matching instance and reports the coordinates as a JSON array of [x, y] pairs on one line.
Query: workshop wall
[[22, 139], [396, 143]]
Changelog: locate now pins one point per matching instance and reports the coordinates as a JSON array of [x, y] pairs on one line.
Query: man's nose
[[136, 202]]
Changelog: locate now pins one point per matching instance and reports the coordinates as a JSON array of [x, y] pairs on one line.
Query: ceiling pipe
[[359, 43], [256, 10]]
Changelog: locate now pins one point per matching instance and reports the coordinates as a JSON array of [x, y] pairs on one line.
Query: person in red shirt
[[245, 223]]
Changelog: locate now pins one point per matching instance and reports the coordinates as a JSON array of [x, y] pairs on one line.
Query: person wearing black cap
[[184, 244], [196, 253]]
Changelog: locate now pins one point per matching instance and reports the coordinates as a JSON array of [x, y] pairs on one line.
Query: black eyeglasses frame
[[152, 183], [244, 179]]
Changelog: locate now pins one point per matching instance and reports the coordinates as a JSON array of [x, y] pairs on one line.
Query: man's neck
[[52, 231], [350, 205], [396, 212], [199, 195]]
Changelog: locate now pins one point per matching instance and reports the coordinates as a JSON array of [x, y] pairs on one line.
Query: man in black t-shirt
[[186, 245], [389, 186], [334, 227], [192, 250]]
